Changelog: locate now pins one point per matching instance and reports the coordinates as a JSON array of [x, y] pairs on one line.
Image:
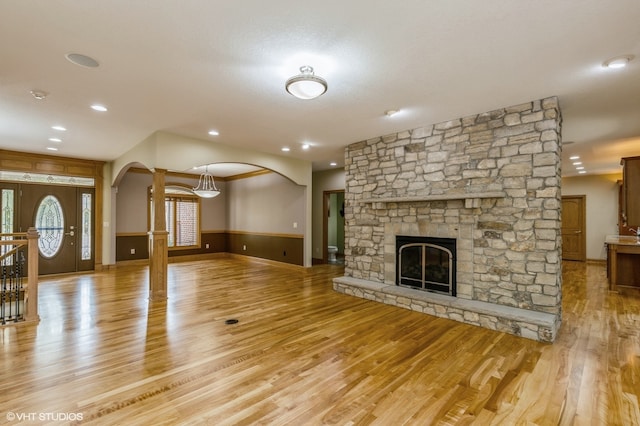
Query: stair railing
[[19, 301]]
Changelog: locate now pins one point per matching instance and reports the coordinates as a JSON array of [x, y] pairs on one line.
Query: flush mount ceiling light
[[206, 186], [391, 112], [214, 132], [618, 61], [306, 85], [100, 108], [39, 94]]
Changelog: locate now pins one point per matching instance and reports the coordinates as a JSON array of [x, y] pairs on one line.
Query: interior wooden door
[[52, 210], [574, 238]]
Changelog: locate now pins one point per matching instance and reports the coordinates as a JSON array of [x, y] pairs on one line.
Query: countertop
[[622, 240]]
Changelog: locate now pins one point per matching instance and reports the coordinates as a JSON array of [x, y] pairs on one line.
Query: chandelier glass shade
[[306, 85]]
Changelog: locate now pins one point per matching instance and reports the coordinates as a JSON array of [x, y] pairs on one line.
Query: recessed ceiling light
[[580, 168], [618, 61], [82, 60], [582, 172], [286, 149], [98, 107], [214, 132], [59, 128], [305, 146], [39, 94], [391, 112], [55, 139], [577, 163], [333, 163], [574, 157], [52, 148]]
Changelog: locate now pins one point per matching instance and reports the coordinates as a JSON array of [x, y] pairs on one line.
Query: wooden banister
[[31, 296]]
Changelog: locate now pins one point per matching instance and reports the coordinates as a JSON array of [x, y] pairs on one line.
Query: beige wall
[[602, 208], [173, 152], [266, 203], [131, 202]]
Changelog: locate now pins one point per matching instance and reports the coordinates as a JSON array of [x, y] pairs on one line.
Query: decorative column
[[158, 239]]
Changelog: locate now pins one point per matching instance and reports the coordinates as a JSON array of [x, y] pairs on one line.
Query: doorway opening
[[333, 227]]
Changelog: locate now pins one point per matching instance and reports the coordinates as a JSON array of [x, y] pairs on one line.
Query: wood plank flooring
[[302, 354]]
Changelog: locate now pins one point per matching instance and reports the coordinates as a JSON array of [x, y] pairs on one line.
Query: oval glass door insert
[[50, 225]]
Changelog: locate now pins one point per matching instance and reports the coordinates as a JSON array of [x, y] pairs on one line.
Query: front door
[[574, 241], [59, 213]]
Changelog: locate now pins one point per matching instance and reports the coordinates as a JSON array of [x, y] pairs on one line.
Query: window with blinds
[[182, 214]]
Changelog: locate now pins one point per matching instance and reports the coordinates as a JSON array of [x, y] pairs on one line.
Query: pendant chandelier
[[206, 186]]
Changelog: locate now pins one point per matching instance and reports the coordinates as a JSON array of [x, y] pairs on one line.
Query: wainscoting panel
[[126, 243], [277, 247], [217, 244]]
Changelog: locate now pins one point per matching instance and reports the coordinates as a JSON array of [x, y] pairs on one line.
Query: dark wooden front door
[[574, 228], [57, 213]]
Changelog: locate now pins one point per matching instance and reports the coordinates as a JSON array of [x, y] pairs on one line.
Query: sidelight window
[[85, 237], [7, 213]]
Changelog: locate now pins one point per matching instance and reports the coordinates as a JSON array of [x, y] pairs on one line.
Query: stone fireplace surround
[[492, 182]]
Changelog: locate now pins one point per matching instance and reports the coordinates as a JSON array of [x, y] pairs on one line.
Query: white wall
[[602, 208]]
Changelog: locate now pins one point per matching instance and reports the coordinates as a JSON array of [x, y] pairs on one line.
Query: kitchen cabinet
[[623, 261], [630, 194]]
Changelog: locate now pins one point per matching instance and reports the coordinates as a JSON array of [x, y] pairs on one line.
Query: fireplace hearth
[[426, 263]]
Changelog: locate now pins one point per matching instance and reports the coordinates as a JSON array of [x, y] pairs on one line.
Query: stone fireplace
[[491, 183]]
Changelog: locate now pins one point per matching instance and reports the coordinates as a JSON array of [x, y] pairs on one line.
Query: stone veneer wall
[[492, 181]]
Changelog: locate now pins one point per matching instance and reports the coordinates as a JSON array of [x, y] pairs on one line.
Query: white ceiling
[[188, 66]]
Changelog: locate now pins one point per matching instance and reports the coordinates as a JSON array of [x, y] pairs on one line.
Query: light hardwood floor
[[302, 354]]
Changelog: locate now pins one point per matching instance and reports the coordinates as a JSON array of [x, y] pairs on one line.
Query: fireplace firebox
[[426, 263]]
